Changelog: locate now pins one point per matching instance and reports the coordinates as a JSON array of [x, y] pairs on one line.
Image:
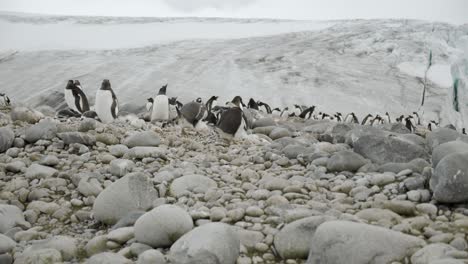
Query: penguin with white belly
[[232, 120], [75, 97], [194, 113], [106, 106], [161, 106]]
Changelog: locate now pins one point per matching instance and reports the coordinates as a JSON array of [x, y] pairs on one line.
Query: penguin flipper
[[114, 108], [76, 95]]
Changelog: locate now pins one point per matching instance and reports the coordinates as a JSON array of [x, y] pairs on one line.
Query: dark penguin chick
[[174, 108], [252, 104], [418, 119], [149, 104], [67, 113], [308, 111], [211, 116], [400, 119], [267, 107], [409, 124], [232, 119], [193, 112], [285, 110], [367, 120]]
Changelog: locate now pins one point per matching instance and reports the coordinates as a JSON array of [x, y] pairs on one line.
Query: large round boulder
[[440, 136], [191, 183], [449, 181], [447, 148], [162, 226], [7, 136], [26, 115], [132, 192], [345, 160], [46, 129], [142, 139]]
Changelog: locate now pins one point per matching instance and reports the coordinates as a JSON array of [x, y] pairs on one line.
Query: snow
[[361, 66]]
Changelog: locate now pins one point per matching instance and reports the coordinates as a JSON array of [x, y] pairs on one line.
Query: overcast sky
[[453, 11]]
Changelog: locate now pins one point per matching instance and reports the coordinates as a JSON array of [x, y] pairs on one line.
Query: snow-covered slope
[[361, 66]]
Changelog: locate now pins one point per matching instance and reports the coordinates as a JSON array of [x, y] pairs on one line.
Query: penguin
[[354, 119], [285, 111], [267, 107], [193, 112], [149, 104], [309, 111], [367, 120], [252, 104], [410, 124], [419, 119], [464, 131], [174, 108], [338, 117], [6, 100], [297, 110], [106, 106], [211, 117], [232, 120], [160, 106], [326, 116], [400, 119], [432, 125], [75, 97], [275, 109], [212, 102], [377, 120], [387, 118]]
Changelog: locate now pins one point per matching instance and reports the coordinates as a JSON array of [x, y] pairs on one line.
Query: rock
[[345, 161], [279, 132], [15, 166], [36, 171], [6, 244], [107, 139], [25, 115], [398, 127], [264, 122], [191, 183], [428, 209], [162, 226], [440, 136], [142, 139], [377, 214], [120, 167], [96, 245], [416, 165], [145, 152], [432, 252], [77, 137], [7, 136], [87, 124], [382, 149], [133, 192], [292, 151], [10, 216], [450, 179], [338, 132], [121, 235], [67, 246], [89, 186], [50, 160], [128, 220], [46, 129], [41, 256], [5, 258], [108, 258], [445, 149], [213, 243], [118, 150], [151, 256], [249, 238], [293, 241], [356, 243], [406, 208], [360, 131]]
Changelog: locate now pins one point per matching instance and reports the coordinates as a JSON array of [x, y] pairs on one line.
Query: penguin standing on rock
[[410, 124], [367, 120], [6, 100], [75, 97], [232, 120], [309, 111], [211, 117], [252, 104], [106, 106], [267, 107], [161, 106]]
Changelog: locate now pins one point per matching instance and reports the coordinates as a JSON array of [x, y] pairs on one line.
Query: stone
[[120, 167], [129, 219], [118, 150], [151, 256], [249, 238], [41, 256], [46, 129], [293, 241], [345, 161], [77, 137], [264, 122], [145, 152], [27, 115], [449, 181], [279, 132], [10, 216], [132, 192], [406, 208], [96, 245], [377, 214], [142, 139], [67, 246], [7, 136], [212, 243], [121, 235], [292, 151], [108, 258], [37, 171], [87, 124], [107, 139], [355, 243], [440, 136], [89, 186], [191, 183], [446, 149], [6, 244], [162, 226], [432, 252]]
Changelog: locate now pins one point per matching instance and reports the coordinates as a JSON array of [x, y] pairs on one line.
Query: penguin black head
[[173, 100], [162, 90], [238, 101], [212, 98], [199, 100], [151, 100], [76, 82], [70, 85], [106, 85], [2, 94], [277, 109]]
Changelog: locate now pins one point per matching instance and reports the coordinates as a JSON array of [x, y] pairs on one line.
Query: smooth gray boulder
[[108, 258], [27, 115], [433, 252], [446, 149], [264, 122], [338, 242], [416, 165], [142, 139], [67, 246], [46, 129], [359, 131], [398, 127], [449, 181], [7, 136], [345, 161], [77, 137], [37, 171], [213, 243], [133, 192], [294, 150], [6, 244], [440, 136], [293, 241], [10, 216], [162, 226], [191, 183], [279, 132], [121, 167], [381, 149]]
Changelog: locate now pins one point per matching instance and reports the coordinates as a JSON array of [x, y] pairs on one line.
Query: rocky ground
[[295, 191]]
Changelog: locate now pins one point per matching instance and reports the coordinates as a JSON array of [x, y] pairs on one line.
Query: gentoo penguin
[[309, 111], [161, 106], [252, 104], [326, 116], [275, 109], [106, 106], [285, 111], [418, 119], [410, 124], [400, 119], [174, 108], [297, 110], [387, 118], [464, 131], [149, 104], [377, 120], [211, 116], [367, 120], [193, 112], [6, 100], [232, 120], [432, 125], [75, 97], [339, 117], [267, 107], [212, 102]]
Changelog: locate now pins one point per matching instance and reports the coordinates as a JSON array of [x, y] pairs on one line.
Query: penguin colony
[[234, 118]]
